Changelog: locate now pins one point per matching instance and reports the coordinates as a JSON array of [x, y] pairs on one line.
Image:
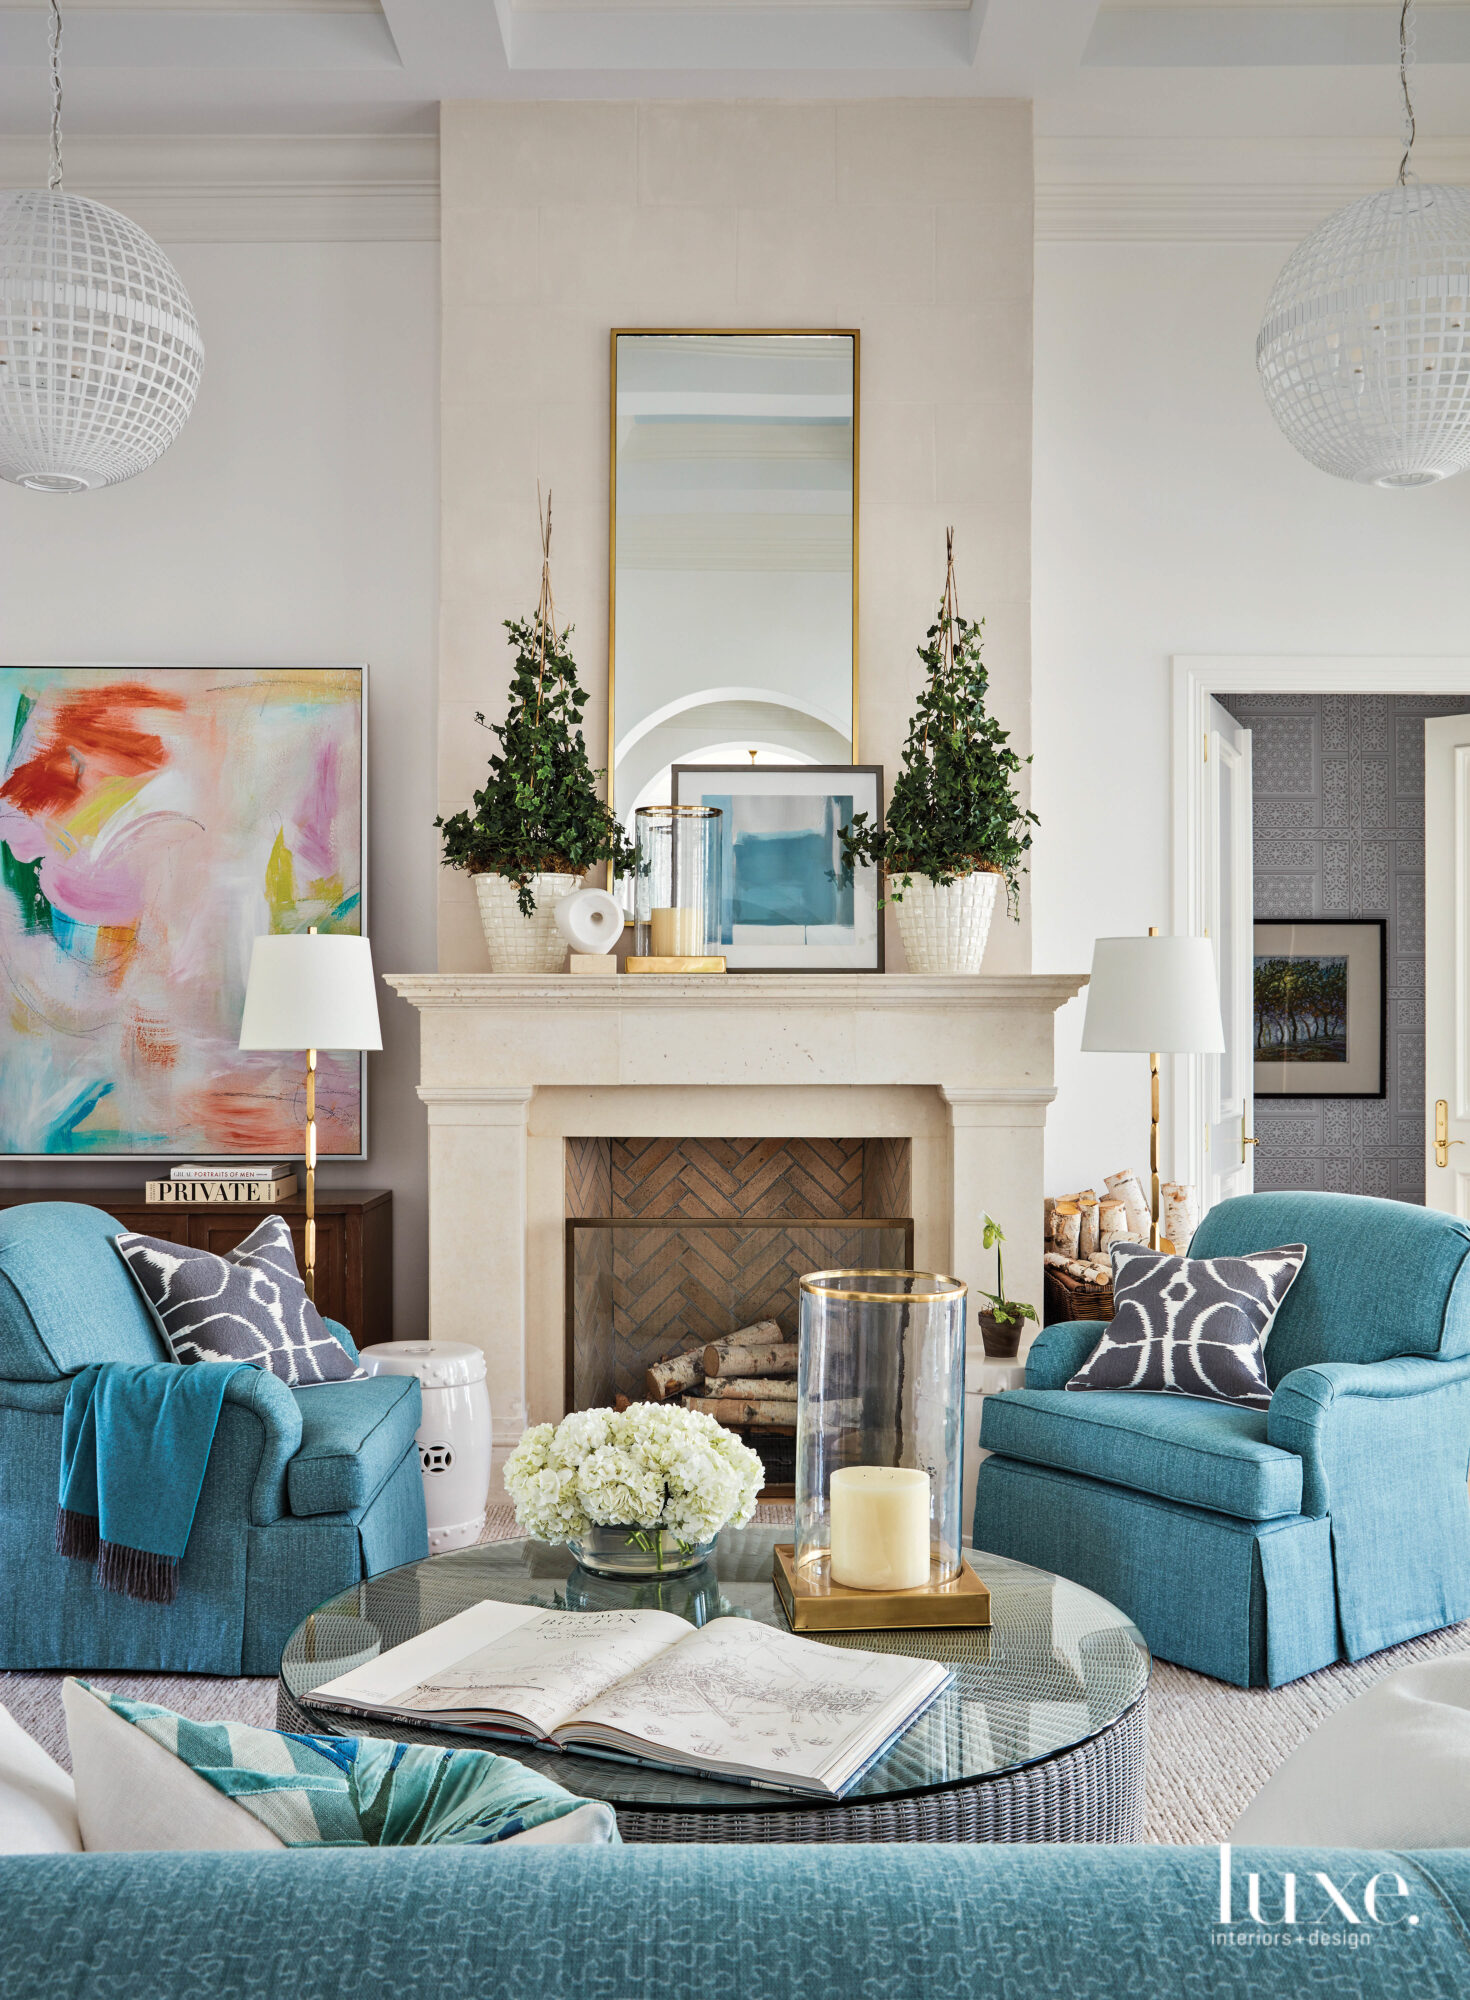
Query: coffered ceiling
[[1093, 67]]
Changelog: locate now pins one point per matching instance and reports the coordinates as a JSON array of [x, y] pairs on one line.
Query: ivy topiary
[[955, 808], [538, 812]]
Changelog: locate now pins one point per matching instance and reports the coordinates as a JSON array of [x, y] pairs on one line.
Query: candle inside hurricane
[[677, 933], [880, 1527]]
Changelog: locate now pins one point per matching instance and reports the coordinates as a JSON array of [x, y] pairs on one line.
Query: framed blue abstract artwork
[[789, 903]]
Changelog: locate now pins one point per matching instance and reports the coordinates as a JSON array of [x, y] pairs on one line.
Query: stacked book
[[244, 1182]]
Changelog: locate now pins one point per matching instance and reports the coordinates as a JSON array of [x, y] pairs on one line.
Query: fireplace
[[675, 1242], [954, 1071]]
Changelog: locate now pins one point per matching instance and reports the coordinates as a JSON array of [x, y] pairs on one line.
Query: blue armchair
[[1259, 1545], [305, 1492]]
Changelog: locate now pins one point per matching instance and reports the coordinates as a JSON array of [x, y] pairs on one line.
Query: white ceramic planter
[[523, 944], [946, 929]]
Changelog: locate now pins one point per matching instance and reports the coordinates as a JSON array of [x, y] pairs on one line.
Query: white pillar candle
[[880, 1527], [677, 933]]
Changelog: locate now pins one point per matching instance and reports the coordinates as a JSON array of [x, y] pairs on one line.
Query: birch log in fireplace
[[951, 1074]]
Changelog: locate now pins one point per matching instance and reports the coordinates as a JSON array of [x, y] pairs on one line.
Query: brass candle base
[[816, 1604], [650, 964]]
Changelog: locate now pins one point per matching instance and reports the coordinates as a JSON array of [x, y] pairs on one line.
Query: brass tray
[[835, 1608]]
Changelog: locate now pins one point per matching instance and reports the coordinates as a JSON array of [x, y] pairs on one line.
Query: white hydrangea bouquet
[[636, 1491]]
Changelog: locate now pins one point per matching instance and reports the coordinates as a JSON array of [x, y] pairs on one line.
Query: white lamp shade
[[1154, 995], [311, 992]]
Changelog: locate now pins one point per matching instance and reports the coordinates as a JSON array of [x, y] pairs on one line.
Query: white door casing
[[1447, 962], [1228, 890]]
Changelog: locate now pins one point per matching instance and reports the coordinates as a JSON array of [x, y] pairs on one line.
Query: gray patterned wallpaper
[[1339, 832]]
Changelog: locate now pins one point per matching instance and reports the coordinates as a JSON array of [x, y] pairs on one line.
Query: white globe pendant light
[[1364, 352], [100, 353]]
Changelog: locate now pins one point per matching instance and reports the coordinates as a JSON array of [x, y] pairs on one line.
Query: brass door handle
[[1442, 1139], [1245, 1139]]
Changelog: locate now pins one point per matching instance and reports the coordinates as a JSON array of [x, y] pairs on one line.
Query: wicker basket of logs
[[1069, 1297]]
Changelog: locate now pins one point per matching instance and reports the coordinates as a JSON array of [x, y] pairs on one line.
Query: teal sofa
[[1260, 1545], [707, 1923], [306, 1491]]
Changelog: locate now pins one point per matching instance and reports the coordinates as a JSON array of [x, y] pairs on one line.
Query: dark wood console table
[[354, 1241]]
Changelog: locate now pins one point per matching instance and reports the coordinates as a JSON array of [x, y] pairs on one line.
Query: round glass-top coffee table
[[1040, 1736]]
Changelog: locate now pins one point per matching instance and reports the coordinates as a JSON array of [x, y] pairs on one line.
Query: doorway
[[1335, 751]]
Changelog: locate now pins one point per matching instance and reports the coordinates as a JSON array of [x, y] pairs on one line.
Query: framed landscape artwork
[[153, 822], [1320, 1013], [789, 904]]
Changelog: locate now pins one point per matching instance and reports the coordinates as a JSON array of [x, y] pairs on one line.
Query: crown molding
[[1128, 190], [255, 189], [385, 188]]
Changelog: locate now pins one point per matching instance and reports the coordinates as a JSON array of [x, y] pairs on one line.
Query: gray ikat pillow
[[1186, 1326], [249, 1305]]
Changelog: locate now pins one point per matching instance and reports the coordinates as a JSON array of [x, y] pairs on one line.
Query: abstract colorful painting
[[153, 822]]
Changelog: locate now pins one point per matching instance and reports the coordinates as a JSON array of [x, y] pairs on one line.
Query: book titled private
[[220, 1193]]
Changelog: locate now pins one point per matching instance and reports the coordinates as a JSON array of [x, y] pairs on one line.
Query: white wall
[[1171, 516], [295, 520], [908, 220]]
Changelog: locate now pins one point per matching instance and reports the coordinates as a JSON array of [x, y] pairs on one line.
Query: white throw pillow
[[133, 1796], [38, 1809], [1391, 1769]]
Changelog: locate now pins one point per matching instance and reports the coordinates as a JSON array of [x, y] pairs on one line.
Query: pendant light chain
[[54, 181], [1406, 63]]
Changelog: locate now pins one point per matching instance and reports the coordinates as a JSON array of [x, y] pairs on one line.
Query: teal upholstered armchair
[[1259, 1545], [305, 1493]]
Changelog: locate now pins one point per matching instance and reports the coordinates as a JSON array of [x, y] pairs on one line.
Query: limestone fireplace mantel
[[511, 1067]]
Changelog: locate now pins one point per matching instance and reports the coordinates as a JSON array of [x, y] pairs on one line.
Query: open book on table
[[731, 1699]]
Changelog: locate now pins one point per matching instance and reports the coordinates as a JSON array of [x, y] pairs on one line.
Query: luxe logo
[[1307, 1903]]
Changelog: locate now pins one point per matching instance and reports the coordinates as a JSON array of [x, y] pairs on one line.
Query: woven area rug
[[1211, 1747]]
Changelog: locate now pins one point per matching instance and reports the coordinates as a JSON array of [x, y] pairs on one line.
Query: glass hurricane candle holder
[[880, 1430], [676, 897]]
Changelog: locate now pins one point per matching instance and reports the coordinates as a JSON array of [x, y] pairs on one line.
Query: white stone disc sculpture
[[590, 920]]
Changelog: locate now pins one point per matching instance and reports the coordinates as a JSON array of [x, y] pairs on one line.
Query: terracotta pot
[[945, 929], [1001, 1337], [517, 943]]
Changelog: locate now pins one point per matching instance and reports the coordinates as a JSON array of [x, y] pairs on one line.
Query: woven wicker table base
[[1091, 1792]]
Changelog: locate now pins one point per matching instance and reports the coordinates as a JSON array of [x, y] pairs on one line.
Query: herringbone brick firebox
[[675, 1242]]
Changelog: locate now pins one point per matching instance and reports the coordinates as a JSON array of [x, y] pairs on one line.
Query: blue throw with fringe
[[135, 1441]]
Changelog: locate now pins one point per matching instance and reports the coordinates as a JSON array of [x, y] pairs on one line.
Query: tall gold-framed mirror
[[733, 553]]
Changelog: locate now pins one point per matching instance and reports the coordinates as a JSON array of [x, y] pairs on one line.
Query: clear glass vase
[[880, 1407], [677, 896], [639, 1552]]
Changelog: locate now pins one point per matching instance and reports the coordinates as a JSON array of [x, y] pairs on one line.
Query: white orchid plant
[[649, 1469]]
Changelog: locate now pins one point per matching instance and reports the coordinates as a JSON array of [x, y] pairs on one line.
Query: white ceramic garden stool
[[454, 1435]]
